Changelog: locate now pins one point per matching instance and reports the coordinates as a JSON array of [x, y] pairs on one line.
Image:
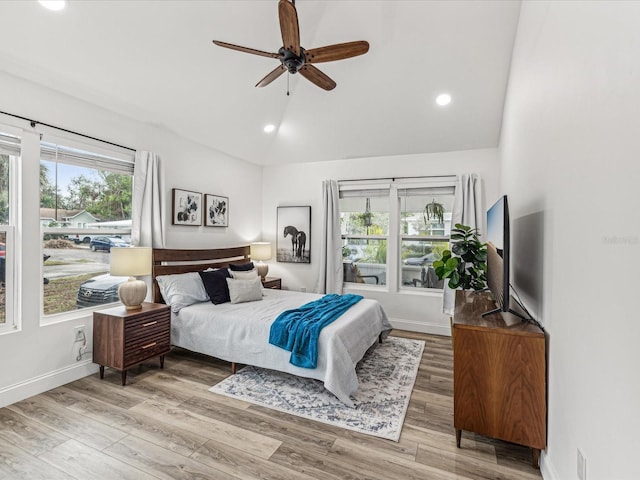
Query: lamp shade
[[260, 251], [130, 261]]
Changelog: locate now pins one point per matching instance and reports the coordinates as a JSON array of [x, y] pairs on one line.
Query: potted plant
[[434, 211], [465, 265]]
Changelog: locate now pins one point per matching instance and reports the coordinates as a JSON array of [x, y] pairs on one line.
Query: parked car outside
[[81, 238], [106, 243], [427, 259], [99, 290], [3, 249]]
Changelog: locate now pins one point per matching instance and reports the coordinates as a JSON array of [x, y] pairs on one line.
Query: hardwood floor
[[166, 424]]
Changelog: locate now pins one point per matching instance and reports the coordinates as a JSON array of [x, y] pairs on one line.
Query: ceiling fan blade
[[289, 26], [315, 76], [338, 51], [271, 76], [246, 49]]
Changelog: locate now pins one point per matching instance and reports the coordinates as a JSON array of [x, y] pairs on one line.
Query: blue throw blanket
[[298, 330]]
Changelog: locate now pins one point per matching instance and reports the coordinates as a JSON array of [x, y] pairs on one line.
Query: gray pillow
[[241, 291], [244, 275], [181, 290]]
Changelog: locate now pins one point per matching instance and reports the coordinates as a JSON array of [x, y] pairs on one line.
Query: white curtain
[[330, 279], [147, 228], [468, 210]]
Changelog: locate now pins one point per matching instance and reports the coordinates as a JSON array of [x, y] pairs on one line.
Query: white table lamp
[[261, 251], [131, 262]]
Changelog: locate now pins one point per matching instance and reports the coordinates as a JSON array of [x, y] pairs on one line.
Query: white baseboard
[[546, 468], [422, 327], [42, 383]]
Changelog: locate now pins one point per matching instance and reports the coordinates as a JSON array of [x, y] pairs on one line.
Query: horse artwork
[[216, 211], [293, 239], [301, 239], [293, 231]]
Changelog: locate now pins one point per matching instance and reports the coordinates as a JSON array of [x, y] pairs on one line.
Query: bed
[[239, 333]]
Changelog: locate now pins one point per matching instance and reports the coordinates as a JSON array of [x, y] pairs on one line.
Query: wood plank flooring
[[165, 424]]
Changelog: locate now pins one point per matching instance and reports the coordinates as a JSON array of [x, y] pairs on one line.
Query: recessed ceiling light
[[443, 99], [54, 5], [269, 128]]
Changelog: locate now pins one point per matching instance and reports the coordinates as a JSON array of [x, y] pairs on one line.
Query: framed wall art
[[294, 235], [216, 211], [186, 207]]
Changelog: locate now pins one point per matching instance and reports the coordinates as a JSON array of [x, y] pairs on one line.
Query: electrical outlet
[[582, 466], [80, 333], [303, 289]]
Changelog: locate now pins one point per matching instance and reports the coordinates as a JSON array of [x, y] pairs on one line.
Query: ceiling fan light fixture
[[443, 99], [54, 5], [269, 128]]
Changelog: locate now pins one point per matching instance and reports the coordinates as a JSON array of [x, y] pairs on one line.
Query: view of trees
[[106, 195]]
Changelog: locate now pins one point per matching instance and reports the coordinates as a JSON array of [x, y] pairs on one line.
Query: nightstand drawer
[[146, 326], [272, 283], [144, 351], [141, 343]]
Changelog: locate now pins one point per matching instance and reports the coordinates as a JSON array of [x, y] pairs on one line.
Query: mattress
[[240, 333]]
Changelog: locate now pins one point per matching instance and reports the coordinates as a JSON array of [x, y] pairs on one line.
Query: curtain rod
[[36, 122], [393, 179]]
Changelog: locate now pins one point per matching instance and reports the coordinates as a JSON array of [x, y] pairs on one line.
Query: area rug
[[386, 376]]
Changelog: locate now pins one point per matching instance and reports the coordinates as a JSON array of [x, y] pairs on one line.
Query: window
[[85, 210], [9, 154], [425, 227], [364, 225], [411, 218]]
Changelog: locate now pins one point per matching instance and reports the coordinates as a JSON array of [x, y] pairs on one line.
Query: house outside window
[[9, 155], [393, 232], [85, 210]]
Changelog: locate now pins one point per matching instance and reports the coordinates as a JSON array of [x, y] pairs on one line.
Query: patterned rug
[[386, 376]]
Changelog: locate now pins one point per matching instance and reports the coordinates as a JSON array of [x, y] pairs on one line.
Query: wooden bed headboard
[[169, 261]]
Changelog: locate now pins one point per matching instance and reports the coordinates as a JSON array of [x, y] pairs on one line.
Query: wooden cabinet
[[499, 374], [123, 338], [272, 282]]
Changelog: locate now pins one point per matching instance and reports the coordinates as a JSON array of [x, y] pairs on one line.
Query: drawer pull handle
[[149, 346], [150, 323]]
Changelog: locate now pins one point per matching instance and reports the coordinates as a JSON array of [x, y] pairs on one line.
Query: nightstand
[[272, 282], [123, 338]]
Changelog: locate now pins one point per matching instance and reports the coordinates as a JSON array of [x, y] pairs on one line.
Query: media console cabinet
[[499, 374]]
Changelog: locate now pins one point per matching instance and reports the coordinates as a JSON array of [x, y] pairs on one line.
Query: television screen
[[498, 253]]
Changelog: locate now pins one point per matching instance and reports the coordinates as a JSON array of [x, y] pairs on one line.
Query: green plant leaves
[[465, 264]]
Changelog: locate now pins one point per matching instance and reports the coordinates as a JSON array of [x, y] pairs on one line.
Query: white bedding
[[240, 333]]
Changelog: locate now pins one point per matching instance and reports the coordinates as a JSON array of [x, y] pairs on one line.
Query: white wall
[[301, 184], [569, 149], [37, 357]]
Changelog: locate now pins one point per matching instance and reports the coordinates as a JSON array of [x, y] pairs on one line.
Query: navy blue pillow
[[241, 267], [215, 283]]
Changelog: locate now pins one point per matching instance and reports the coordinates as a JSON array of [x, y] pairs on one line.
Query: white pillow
[[246, 275], [245, 290], [182, 290]]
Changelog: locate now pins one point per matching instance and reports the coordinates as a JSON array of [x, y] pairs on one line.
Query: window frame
[[85, 155], [369, 190], [12, 147], [438, 185]]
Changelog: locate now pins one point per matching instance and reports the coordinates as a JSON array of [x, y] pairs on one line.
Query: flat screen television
[[498, 254], [498, 251]]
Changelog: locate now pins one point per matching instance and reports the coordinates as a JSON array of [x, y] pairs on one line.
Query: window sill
[[419, 292], [73, 315]]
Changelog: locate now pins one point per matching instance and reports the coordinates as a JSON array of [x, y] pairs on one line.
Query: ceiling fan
[[295, 59]]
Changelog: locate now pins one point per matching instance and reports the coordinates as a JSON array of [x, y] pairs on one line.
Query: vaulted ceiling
[[155, 62]]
